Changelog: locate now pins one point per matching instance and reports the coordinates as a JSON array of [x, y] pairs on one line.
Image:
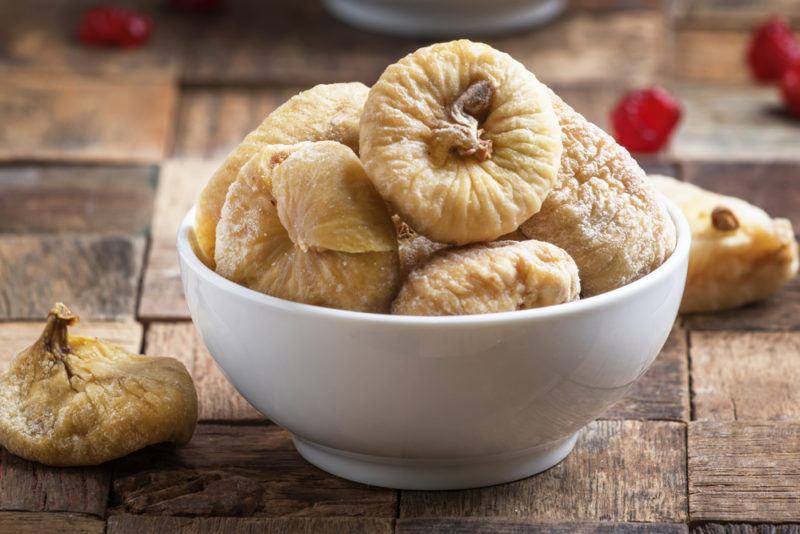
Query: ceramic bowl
[[445, 18], [434, 402]]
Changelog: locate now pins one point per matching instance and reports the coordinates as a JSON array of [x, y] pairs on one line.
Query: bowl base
[[416, 474]]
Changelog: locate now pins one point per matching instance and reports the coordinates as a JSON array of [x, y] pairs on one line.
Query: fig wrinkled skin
[[602, 210], [488, 278], [462, 140], [324, 112], [304, 223], [739, 253], [75, 400]]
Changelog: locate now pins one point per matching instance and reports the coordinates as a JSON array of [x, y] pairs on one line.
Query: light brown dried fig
[[602, 210], [462, 140], [739, 254], [488, 278], [324, 112], [75, 400], [304, 223]]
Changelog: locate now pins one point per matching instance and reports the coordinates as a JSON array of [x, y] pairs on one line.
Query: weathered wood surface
[[84, 118], [128, 524], [471, 525], [219, 401], [238, 471], [663, 392], [746, 376], [744, 471], [619, 471], [76, 198], [97, 276], [745, 528], [180, 183], [39, 522]]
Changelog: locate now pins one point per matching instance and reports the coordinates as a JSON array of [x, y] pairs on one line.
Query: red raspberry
[[114, 26], [644, 119], [790, 85], [772, 49]]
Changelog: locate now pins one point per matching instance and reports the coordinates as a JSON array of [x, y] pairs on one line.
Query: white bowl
[[434, 402]]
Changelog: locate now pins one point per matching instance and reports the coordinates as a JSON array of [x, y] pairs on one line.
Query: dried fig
[[324, 112], [739, 254], [490, 277], [75, 400], [602, 210], [304, 223], [462, 140]]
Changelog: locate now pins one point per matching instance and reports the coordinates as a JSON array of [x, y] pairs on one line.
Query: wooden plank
[[130, 524], [474, 525], [96, 275], [84, 118], [745, 528], [619, 471], [770, 186], [240, 471], [745, 376], [710, 56], [663, 392], [727, 15], [180, 183], [734, 124], [76, 199], [17, 336], [38, 522], [744, 471], [213, 120], [219, 401], [31, 486]]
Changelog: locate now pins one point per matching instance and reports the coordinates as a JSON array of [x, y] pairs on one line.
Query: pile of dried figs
[[457, 184]]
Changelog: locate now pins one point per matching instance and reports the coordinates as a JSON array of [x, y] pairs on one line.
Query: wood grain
[[17, 336], [472, 525], [744, 471], [219, 401], [218, 472], [727, 15], [31, 486], [619, 471], [96, 275], [745, 528], [710, 56], [745, 376], [735, 124], [76, 199], [38, 522], [213, 120], [180, 183], [128, 524], [663, 392], [84, 118]]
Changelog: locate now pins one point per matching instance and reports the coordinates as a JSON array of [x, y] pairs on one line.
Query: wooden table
[[103, 151]]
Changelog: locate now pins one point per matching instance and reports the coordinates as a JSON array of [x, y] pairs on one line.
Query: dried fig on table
[[76, 400], [462, 140], [324, 112], [490, 277], [602, 210], [739, 254], [304, 223]]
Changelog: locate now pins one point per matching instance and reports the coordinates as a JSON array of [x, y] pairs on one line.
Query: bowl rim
[[679, 257]]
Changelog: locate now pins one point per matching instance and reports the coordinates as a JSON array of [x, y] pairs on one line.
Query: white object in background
[[445, 18], [434, 402]]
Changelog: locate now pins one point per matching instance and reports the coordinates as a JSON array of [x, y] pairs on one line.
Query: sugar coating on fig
[[739, 253], [488, 278], [76, 400], [602, 210], [324, 112], [462, 140], [303, 223]]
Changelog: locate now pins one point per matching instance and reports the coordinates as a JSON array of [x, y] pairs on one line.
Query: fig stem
[[723, 219], [461, 131], [55, 336]]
